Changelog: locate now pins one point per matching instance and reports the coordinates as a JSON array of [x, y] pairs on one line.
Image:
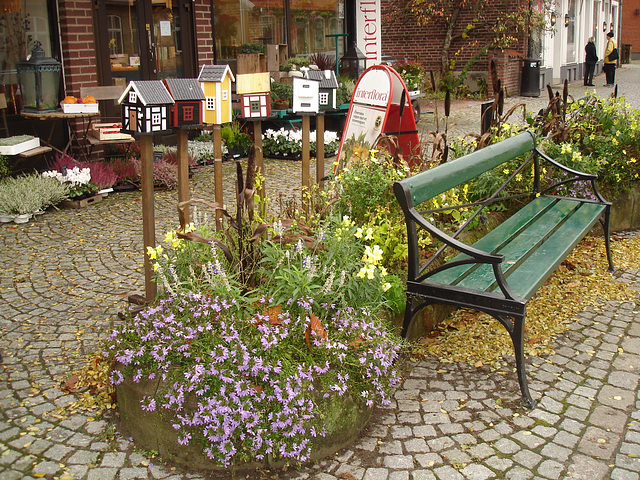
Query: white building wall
[[563, 46]]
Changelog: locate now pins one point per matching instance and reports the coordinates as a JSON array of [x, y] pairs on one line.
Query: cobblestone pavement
[[67, 274]]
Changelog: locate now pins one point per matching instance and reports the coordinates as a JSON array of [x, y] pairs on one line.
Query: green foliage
[[253, 48], [300, 61], [413, 74], [346, 86], [281, 91], [366, 184], [4, 166]]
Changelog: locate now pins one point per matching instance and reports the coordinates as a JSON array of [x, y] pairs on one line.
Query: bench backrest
[[425, 185]]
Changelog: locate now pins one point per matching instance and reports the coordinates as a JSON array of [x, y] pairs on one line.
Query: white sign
[[165, 28], [369, 30], [373, 88], [367, 120]]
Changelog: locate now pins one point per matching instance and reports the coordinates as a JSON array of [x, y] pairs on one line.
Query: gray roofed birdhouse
[[145, 107]]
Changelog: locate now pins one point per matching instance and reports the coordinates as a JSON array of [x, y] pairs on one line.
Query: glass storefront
[[303, 25], [22, 23]]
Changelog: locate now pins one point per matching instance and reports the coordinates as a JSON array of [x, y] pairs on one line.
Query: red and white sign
[[381, 105]]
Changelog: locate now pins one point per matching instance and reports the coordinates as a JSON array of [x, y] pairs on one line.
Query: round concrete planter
[[625, 212], [153, 431]]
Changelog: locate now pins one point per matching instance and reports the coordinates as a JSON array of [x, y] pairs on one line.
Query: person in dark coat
[[591, 58]]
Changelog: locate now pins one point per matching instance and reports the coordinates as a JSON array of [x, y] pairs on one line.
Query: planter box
[[19, 147], [251, 63], [79, 107], [80, 203], [108, 131]]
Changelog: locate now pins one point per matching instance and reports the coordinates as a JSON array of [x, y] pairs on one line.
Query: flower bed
[[288, 143], [266, 338]]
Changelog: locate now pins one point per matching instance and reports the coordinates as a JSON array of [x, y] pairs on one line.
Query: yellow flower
[[154, 252], [386, 286], [372, 255], [358, 233], [369, 234]]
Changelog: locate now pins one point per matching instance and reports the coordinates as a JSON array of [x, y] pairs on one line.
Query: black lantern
[[39, 79], [604, 26], [567, 19], [353, 63], [553, 18], [611, 27]]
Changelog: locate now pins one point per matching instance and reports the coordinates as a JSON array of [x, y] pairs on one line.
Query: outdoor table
[[85, 118]]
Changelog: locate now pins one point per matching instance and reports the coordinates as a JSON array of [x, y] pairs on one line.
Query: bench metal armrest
[[479, 255], [578, 175]]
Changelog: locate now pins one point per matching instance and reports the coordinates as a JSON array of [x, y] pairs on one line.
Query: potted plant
[[281, 96], [268, 343], [22, 197]]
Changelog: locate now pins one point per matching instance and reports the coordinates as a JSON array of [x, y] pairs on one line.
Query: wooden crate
[[80, 203], [108, 131], [251, 63]]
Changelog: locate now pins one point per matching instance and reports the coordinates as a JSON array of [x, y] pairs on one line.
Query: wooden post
[[306, 150], [183, 170], [217, 171], [320, 150], [257, 136], [148, 213], [306, 154]]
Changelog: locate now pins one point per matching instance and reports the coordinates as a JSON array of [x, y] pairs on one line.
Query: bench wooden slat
[[542, 262], [534, 242], [501, 240], [451, 174]]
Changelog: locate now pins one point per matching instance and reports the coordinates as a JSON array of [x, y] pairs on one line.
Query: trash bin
[[625, 53], [530, 81]]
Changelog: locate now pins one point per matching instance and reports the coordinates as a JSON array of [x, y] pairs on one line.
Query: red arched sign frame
[[381, 105]]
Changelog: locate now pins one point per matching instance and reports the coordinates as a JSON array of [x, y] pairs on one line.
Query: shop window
[[21, 25], [114, 29]]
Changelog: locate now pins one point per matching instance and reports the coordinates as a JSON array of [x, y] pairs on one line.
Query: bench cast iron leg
[[605, 227], [517, 337]]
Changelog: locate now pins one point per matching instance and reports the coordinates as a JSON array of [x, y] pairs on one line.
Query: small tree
[[472, 25]]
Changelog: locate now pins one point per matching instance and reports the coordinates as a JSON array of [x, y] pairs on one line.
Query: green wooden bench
[[500, 272]]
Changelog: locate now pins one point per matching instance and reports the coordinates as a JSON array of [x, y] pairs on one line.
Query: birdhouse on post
[[255, 97], [215, 83], [145, 107], [187, 111], [328, 88], [306, 94]]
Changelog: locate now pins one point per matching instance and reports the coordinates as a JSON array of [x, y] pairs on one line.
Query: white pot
[[22, 218], [6, 218]]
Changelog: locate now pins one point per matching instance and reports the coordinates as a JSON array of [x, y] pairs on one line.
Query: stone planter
[[153, 431], [625, 213]]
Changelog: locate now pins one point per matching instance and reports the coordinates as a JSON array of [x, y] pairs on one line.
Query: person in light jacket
[[610, 65], [590, 61]]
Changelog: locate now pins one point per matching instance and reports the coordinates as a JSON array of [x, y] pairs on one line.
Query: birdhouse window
[[211, 103], [187, 114], [225, 94], [156, 118], [133, 97], [255, 106], [324, 98]]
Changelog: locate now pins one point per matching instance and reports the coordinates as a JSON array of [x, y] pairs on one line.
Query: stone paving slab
[[66, 275]]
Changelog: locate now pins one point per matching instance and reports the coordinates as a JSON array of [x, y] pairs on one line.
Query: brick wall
[[413, 42], [76, 29], [631, 26], [204, 33]]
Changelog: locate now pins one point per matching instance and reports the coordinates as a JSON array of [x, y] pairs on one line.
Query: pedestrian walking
[[610, 60], [590, 61]]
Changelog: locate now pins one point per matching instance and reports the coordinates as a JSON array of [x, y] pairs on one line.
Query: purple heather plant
[[256, 384]]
